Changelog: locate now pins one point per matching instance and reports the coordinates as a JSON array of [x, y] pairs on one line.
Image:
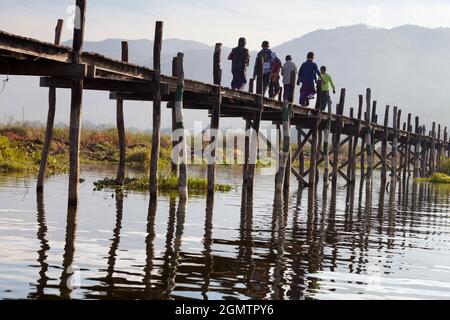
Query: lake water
[[347, 245]]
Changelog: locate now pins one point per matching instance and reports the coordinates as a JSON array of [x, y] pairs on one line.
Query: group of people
[[274, 69]]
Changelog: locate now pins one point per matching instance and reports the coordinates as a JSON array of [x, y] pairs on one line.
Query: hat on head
[[288, 58]]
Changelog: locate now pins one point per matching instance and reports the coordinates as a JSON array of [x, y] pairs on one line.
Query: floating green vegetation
[[437, 177], [167, 184]]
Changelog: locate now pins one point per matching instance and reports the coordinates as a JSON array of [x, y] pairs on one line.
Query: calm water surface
[[351, 244]]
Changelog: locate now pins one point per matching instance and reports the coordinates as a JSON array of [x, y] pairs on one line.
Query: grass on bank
[[167, 184]]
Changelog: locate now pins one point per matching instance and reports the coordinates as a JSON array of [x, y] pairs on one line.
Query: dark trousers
[[324, 99], [274, 89], [288, 93]]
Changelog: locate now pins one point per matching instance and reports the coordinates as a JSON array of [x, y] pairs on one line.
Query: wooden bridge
[[413, 149]]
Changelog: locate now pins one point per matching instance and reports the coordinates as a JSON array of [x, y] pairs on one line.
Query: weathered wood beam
[[48, 69]]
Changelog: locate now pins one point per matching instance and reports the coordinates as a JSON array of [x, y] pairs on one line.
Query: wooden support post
[[439, 148], [287, 178], [433, 149], [76, 104], [301, 158], [403, 157], [394, 149], [156, 138], [326, 141], [350, 154], [362, 155], [313, 156], [408, 146], [121, 127], [215, 119], [281, 173], [337, 138], [174, 167], [369, 145], [181, 145], [384, 144], [423, 165], [418, 144], [445, 148], [256, 124], [50, 120]]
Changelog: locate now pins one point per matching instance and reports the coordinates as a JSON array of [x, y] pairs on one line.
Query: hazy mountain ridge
[[405, 66]]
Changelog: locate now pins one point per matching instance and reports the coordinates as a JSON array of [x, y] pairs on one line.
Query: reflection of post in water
[[207, 243], [68, 276], [298, 277], [169, 244], [349, 207], [179, 230], [114, 244], [279, 220], [381, 207], [149, 246], [331, 234], [246, 241], [44, 247]]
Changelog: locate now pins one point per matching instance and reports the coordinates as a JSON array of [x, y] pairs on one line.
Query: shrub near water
[[168, 183]]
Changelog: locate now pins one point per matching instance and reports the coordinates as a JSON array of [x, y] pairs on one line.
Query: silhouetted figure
[[327, 83], [266, 55], [286, 72], [240, 58], [307, 76], [274, 86]]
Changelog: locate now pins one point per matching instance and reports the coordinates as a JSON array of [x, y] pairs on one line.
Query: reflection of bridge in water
[[283, 261]]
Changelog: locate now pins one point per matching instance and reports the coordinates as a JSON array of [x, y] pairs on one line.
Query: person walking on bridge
[[288, 85], [307, 77], [266, 55], [326, 85], [240, 59], [274, 86]]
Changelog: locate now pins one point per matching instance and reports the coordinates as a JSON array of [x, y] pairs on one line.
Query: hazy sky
[[212, 21]]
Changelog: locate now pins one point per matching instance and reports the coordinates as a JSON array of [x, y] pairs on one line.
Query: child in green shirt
[[327, 82]]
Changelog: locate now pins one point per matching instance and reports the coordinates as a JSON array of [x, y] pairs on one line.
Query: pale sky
[[211, 21]]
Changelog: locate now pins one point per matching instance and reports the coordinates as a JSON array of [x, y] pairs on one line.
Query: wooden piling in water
[[350, 155], [121, 127], [281, 173], [76, 104], [174, 166], [423, 166], [408, 147], [181, 145], [394, 149], [50, 120], [326, 151], [432, 159], [287, 178], [439, 149], [156, 136], [362, 155], [417, 145], [313, 156], [368, 143], [384, 144], [215, 117], [256, 125]]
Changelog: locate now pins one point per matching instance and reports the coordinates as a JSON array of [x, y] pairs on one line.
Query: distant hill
[[406, 66]]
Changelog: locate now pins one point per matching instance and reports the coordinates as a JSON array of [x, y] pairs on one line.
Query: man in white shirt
[[289, 85]]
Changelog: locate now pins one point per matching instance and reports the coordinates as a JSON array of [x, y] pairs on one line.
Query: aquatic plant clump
[[437, 177], [167, 183]]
